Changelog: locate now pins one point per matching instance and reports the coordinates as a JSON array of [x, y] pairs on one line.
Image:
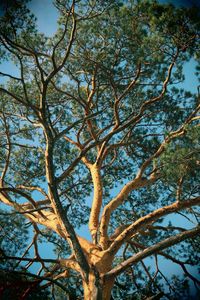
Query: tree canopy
[[97, 131]]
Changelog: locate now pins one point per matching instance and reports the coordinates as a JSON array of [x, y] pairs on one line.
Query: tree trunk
[[95, 289]]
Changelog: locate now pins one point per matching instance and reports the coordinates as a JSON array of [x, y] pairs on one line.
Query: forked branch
[[151, 250]]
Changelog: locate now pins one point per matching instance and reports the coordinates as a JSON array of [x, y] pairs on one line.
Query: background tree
[[95, 130]]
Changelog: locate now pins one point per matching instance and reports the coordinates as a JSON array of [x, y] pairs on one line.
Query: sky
[[46, 15], [47, 21], [186, 3]]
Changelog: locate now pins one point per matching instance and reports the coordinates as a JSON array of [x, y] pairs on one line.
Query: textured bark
[[70, 234], [153, 249], [116, 202], [148, 219], [97, 201], [96, 289]]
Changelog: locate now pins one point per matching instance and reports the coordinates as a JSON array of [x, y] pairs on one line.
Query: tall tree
[[96, 130]]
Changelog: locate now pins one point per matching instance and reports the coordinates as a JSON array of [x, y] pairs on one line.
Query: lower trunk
[[95, 289]]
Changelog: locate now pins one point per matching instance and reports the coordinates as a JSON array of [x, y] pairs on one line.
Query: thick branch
[[152, 250], [96, 202], [118, 200], [148, 219], [49, 220], [66, 263]]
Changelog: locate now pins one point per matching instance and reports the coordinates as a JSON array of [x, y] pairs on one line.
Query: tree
[[97, 112]]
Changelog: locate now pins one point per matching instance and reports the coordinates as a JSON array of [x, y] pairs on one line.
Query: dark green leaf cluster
[[181, 159], [13, 236]]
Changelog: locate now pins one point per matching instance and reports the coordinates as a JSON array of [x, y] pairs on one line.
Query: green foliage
[[13, 235], [181, 157]]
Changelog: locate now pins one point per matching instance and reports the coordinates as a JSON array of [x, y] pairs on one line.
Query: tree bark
[[96, 288]]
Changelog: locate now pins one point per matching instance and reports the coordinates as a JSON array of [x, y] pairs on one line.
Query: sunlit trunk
[[95, 289]]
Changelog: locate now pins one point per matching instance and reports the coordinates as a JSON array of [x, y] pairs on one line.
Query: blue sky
[[182, 2], [46, 15]]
